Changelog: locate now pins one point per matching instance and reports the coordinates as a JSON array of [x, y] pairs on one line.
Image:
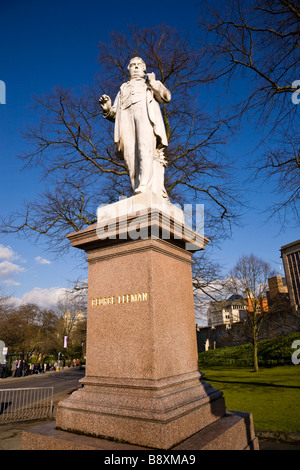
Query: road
[[61, 380]]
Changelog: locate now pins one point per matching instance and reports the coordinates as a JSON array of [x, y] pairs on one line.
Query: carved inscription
[[120, 299]]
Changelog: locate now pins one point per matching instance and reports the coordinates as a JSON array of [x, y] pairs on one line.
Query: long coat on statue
[[153, 98]]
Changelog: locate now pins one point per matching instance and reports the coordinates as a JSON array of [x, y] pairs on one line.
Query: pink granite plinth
[[142, 383]]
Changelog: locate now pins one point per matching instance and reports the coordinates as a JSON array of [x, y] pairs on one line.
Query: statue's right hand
[[105, 102]]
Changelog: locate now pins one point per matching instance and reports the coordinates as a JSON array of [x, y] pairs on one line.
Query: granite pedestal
[[142, 384]]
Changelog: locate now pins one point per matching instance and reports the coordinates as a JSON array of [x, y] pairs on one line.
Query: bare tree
[[253, 46], [280, 163], [72, 311], [249, 278], [73, 145], [208, 284], [28, 329], [72, 307]]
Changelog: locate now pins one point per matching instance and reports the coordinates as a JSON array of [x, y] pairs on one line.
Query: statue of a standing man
[[139, 128]]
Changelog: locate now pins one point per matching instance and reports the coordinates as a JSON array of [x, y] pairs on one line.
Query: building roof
[[289, 245], [235, 297]]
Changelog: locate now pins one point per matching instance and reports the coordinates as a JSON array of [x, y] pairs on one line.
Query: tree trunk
[[255, 347]]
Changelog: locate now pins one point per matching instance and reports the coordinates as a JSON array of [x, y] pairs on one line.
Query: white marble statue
[[139, 128]]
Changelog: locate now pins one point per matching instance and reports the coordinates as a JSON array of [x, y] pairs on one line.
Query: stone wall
[[221, 336]]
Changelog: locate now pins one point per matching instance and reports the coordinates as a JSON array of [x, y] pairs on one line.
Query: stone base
[[234, 431], [153, 413], [142, 383]]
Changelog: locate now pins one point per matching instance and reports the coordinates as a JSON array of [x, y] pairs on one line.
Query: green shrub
[[271, 352]]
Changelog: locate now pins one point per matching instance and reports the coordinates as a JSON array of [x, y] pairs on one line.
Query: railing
[[23, 404]]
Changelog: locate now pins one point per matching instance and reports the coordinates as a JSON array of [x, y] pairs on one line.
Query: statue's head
[[137, 68]]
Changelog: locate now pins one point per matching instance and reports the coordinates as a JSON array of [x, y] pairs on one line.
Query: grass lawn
[[271, 395]]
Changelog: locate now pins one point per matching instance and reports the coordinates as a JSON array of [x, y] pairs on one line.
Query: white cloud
[[41, 260], [45, 298], [6, 252], [11, 282], [14, 301], [7, 268]]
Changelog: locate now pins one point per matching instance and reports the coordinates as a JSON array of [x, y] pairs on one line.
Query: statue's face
[[136, 69]]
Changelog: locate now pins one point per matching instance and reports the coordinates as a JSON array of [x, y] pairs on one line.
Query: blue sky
[[54, 42]]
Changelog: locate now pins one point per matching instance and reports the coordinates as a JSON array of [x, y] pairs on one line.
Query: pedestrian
[[14, 368], [19, 369]]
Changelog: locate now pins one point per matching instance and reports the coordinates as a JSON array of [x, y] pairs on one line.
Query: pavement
[[11, 433]]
